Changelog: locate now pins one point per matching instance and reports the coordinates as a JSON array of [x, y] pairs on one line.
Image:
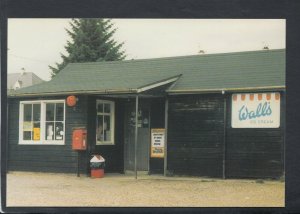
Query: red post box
[[79, 139]]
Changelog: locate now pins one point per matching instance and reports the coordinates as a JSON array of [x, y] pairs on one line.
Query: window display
[[42, 122], [105, 121]]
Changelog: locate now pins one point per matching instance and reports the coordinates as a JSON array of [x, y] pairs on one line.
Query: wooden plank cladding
[[199, 144], [195, 142]]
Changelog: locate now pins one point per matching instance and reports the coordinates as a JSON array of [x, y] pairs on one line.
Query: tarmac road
[[115, 190]]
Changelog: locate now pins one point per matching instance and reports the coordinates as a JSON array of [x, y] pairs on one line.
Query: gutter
[[138, 90], [222, 90]]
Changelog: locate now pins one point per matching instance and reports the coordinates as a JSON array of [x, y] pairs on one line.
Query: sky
[[34, 44]]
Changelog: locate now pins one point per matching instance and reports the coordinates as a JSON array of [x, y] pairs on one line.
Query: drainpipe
[[136, 134], [166, 135], [224, 135]]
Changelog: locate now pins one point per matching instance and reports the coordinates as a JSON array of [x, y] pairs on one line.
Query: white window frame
[[42, 140], [112, 121]]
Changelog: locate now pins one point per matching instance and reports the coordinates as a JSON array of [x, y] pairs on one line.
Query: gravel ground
[[114, 190]]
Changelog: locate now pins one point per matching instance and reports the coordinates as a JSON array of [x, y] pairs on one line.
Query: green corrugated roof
[[228, 71]]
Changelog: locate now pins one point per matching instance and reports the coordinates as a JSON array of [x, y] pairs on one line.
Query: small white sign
[[157, 143], [259, 110]]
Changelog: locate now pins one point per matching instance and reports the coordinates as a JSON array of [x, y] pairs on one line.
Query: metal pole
[[283, 115], [136, 134], [78, 175], [224, 140], [166, 135], [149, 145]]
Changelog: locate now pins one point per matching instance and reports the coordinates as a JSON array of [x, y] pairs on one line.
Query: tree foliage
[[91, 40]]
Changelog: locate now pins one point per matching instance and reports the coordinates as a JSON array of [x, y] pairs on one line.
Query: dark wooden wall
[[198, 145], [195, 140], [255, 152], [157, 115], [46, 158], [195, 135]]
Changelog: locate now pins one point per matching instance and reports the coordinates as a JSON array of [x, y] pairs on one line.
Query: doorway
[[143, 138]]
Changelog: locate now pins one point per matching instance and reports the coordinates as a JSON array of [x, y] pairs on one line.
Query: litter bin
[[97, 164]]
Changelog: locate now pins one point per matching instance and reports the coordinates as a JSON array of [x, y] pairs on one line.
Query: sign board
[[36, 133], [27, 126], [157, 143], [257, 110]]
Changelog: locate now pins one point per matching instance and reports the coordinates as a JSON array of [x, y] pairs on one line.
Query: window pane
[[49, 131], [27, 135], [107, 132], [145, 120], [99, 131], [100, 108], [50, 111], [36, 112], [27, 112], [59, 112], [107, 108], [59, 131], [36, 125], [107, 122]]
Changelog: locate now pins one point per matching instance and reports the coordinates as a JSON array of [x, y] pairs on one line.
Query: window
[[105, 122], [31, 121], [42, 122]]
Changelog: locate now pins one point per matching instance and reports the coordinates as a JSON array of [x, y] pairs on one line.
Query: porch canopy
[[252, 70]]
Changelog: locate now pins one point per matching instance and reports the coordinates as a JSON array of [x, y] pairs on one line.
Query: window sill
[[105, 143], [42, 143]]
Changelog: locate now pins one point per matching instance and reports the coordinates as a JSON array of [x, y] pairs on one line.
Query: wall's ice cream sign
[[260, 110]]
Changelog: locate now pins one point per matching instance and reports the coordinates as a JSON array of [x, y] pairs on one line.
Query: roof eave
[[103, 92]]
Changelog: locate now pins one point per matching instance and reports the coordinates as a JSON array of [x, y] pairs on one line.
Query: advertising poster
[[255, 110], [27, 126], [36, 133], [157, 143]]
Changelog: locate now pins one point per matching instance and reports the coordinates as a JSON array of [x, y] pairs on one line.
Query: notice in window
[[27, 126], [36, 133], [157, 143]]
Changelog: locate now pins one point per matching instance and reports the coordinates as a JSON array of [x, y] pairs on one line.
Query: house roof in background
[[207, 72], [26, 78]]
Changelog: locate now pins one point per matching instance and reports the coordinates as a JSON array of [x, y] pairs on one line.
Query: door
[[143, 140]]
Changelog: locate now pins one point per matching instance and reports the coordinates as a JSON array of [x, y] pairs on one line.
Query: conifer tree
[[91, 40]]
